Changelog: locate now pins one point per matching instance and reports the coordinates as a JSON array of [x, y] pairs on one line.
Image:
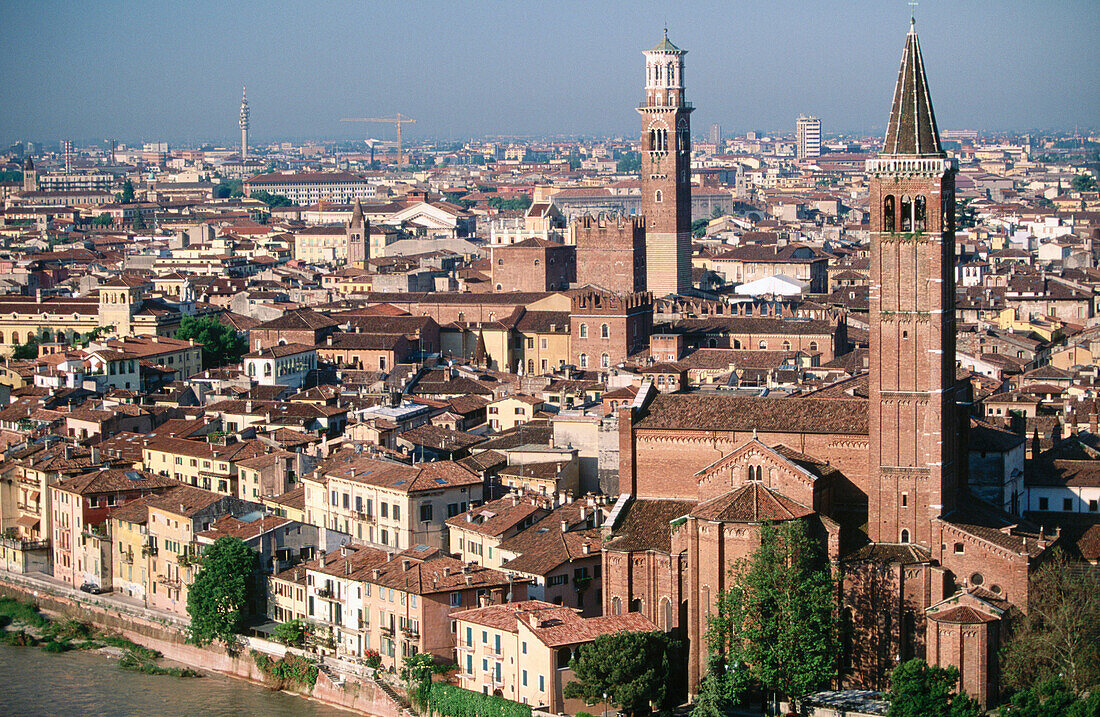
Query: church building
[[927, 569]]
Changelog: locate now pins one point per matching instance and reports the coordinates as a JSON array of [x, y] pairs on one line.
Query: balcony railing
[[387, 630], [324, 593], [411, 632]]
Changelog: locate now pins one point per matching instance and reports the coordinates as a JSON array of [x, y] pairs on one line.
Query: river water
[[75, 684]]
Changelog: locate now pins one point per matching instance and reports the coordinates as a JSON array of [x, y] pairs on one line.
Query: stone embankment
[[167, 634]]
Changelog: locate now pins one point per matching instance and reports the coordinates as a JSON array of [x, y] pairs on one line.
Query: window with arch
[[756, 473], [906, 213], [737, 343], [666, 614], [584, 331], [605, 361], [500, 287], [763, 345], [920, 213], [605, 331], [786, 345], [905, 536], [636, 605], [530, 366], [888, 213], [813, 346], [658, 196], [536, 262], [584, 360], [616, 606]]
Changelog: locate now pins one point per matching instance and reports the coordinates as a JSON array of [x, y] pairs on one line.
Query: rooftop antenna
[[913, 12]]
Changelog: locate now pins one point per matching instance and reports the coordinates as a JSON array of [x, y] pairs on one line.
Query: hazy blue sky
[[160, 70]]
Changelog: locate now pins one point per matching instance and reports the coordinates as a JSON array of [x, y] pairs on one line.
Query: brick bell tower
[[666, 171], [913, 425]]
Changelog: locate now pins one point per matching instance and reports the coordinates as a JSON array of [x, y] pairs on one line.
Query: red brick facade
[[607, 327], [611, 252], [534, 265]]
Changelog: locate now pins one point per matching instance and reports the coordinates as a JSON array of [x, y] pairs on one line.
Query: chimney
[[68, 452], [515, 498], [347, 567], [1092, 420], [533, 620], [564, 526], [248, 406], [586, 548], [297, 575], [469, 580], [446, 572], [406, 564], [328, 341], [321, 560], [95, 451], [345, 551], [375, 573]]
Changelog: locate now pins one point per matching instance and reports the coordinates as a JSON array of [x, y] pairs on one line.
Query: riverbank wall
[[167, 635]]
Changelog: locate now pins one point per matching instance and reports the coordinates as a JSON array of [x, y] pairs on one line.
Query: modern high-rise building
[[714, 136], [67, 152], [808, 133], [666, 171], [245, 116]]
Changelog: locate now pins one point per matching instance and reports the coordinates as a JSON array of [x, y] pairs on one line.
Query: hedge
[[452, 701]]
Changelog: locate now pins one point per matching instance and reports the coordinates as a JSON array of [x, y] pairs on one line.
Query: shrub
[[452, 701]]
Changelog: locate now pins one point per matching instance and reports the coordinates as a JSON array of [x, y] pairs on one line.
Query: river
[[34, 683]]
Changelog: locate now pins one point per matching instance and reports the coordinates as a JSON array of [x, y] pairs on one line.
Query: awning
[[27, 521], [33, 495]]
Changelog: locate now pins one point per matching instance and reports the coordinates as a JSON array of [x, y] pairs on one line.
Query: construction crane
[[397, 121]]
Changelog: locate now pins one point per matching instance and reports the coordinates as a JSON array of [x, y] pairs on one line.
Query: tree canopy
[[126, 196], [629, 163], [103, 220], [218, 598], [273, 200], [1060, 635], [1084, 183], [221, 344], [633, 669], [29, 350], [229, 188], [919, 690], [1051, 698], [776, 625]]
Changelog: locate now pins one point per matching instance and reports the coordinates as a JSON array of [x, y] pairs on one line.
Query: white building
[[808, 136], [307, 188], [283, 365]]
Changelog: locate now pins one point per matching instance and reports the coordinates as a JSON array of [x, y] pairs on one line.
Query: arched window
[[616, 606], [530, 366], [888, 213], [584, 331], [636, 605], [605, 361], [584, 360], [15, 337], [1, 337], [251, 369], [786, 345], [605, 331], [906, 213], [536, 262], [813, 346], [267, 369], [666, 614], [737, 343], [763, 345], [920, 220], [905, 536], [658, 197]]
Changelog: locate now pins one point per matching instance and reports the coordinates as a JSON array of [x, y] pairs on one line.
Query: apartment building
[[475, 535], [507, 412], [80, 505], [205, 465], [398, 604], [388, 504], [521, 650], [284, 365]]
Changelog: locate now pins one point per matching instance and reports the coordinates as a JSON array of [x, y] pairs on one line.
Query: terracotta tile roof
[[497, 517], [398, 476], [995, 526], [646, 525], [545, 547], [293, 498], [114, 480], [554, 625], [440, 438], [233, 527], [751, 503], [890, 553], [701, 412], [963, 614]]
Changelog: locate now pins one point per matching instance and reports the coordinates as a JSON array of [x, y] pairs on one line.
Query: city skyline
[[461, 72]]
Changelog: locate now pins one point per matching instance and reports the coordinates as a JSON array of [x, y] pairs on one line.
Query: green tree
[[778, 618], [1051, 698], [1084, 183], [103, 220], [920, 690], [11, 176], [417, 673], [126, 196], [717, 213], [629, 163], [699, 227], [292, 632], [221, 344], [28, 350], [219, 596], [632, 668], [229, 188], [1060, 635], [139, 221], [273, 200]]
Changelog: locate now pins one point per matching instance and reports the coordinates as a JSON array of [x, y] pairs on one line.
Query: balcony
[[412, 633], [387, 630], [324, 593], [148, 550], [126, 558], [169, 582]]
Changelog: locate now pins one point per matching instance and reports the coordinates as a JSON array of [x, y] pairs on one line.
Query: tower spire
[[912, 129], [244, 123]]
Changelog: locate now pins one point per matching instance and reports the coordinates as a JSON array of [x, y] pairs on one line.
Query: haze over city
[[173, 72]]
